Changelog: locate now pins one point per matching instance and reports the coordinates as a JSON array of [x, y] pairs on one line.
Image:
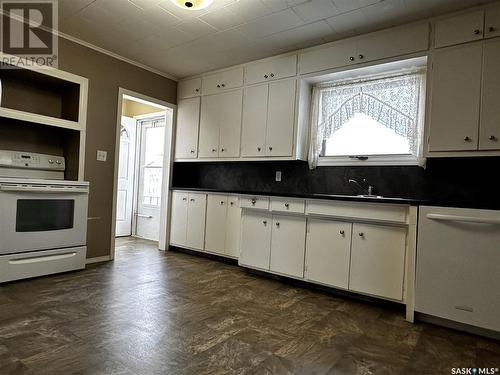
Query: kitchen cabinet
[[256, 239], [492, 21], [455, 98], [233, 227], [378, 260], [189, 88], [328, 252], [222, 81], [282, 67], [489, 129], [220, 125], [288, 245], [186, 133], [462, 28], [187, 220], [222, 231], [370, 47], [457, 265], [269, 119]]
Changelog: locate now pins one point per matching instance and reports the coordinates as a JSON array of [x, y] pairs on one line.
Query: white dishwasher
[[458, 265]]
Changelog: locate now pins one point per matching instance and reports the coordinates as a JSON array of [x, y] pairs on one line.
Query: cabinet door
[[280, 118], [197, 204], [189, 88], [222, 81], [459, 29], [186, 135], [378, 260], [253, 137], [215, 232], [489, 130], [230, 123], [279, 68], [332, 55], [209, 127], [288, 245], [455, 96], [256, 239], [328, 252], [178, 218], [233, 227], [492, 21]]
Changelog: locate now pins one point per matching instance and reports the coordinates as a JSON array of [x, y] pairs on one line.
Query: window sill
[[330, 161]]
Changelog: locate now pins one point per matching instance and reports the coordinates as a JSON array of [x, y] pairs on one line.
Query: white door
[[456, 91], [209, 127], [197, 205], [178, 218], [489, 135], [151, 150], [378, 260], [253, 133], [215, 231], [125, 197], [328, 252], [233, 227], [288, 245], [188, 120], [280, 118], [230, 106], [256, 239]]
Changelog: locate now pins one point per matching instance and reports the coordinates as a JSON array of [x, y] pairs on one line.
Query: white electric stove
[[43, 218]]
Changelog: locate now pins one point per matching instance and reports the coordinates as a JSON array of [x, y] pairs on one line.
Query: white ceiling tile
[[144, 4], [223, 19], [302, 36], [277, 5], [195, 28], [247, 10], [348, 22], [350, 5], [271, 24], [316, 10]]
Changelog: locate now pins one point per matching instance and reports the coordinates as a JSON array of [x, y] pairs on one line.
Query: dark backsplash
[[461, 182]]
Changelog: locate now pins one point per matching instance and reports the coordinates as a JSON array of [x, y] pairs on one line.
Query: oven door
[[42, 217]]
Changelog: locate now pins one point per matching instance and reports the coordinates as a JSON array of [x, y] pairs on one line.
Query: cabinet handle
[[223, 149], [270, 148], [223, 85], [342, 232], [221, 203], [232, 203], [266, 76], [493, 138], [197, 90], [272, 75], [361, 56], [184, 199], [491, 29], [214, 150], [253, 202], [191, 200], [361, 234], [259, 148], [351, 58], [467, 139], [477, 32], [218, 85], [192, 151], [278, 224], [264, 222], [287, 205]]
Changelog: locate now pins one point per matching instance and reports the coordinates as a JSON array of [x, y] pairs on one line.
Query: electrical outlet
[[278, 176], [102, 155]]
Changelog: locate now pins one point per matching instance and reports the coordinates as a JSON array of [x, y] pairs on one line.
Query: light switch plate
[[102, 155], [278, 176]]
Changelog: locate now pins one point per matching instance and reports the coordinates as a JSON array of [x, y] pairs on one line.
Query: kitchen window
[[370, 120]]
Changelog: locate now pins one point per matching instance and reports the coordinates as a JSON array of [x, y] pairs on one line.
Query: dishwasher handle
[[464, 219]]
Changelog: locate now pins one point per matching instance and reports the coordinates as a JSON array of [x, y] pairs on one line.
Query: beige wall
[[131, 108], [106, 75]]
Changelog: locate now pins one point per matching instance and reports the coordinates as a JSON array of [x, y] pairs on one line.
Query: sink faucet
[[369, 188]]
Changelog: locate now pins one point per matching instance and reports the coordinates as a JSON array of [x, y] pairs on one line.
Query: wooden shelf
[[39, 119]]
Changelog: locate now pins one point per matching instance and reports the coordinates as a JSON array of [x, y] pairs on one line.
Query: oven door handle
[[44, 189]]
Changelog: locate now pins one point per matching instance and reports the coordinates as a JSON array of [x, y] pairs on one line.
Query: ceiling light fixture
[[192, 4]]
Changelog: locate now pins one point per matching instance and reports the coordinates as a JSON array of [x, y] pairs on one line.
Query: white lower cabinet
[[256, 239], [222, 231], [178, 218], [378, 260], [233, 227], [288, 245], [328, 252], [187, 221]]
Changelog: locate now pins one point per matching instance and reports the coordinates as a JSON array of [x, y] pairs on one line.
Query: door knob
[[493, 138], [477, 32], [351, 58], [342, 232], [361, 56]]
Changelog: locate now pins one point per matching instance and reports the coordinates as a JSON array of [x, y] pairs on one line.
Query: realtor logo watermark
[[27, 37]]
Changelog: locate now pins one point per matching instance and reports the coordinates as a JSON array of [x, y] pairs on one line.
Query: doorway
[[142, 167]]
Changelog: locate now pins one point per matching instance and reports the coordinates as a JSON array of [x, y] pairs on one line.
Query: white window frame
[[372, 72]]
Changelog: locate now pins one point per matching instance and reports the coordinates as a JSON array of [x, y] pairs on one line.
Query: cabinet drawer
[[459, 29], [223, 81], [282, 67], [254, 202], [355, 210], [189, 88], [287, 205]]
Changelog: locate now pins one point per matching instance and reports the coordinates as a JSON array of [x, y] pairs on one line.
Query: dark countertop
[[337, 197]]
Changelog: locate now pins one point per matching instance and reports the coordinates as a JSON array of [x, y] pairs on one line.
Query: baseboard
[[104, 258]]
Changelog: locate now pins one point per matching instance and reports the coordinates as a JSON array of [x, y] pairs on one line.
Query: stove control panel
[[31, 160]]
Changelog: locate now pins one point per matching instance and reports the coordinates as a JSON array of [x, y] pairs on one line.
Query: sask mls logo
[[27, 32]]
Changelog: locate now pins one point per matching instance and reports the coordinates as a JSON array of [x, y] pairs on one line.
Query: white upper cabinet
[[186, 133], [374, 46], [189, 88], [218, 82], [492, 21], [209, 127], [254, 122], [282, 67], [455, 97], [458, 29], [489, 129]]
